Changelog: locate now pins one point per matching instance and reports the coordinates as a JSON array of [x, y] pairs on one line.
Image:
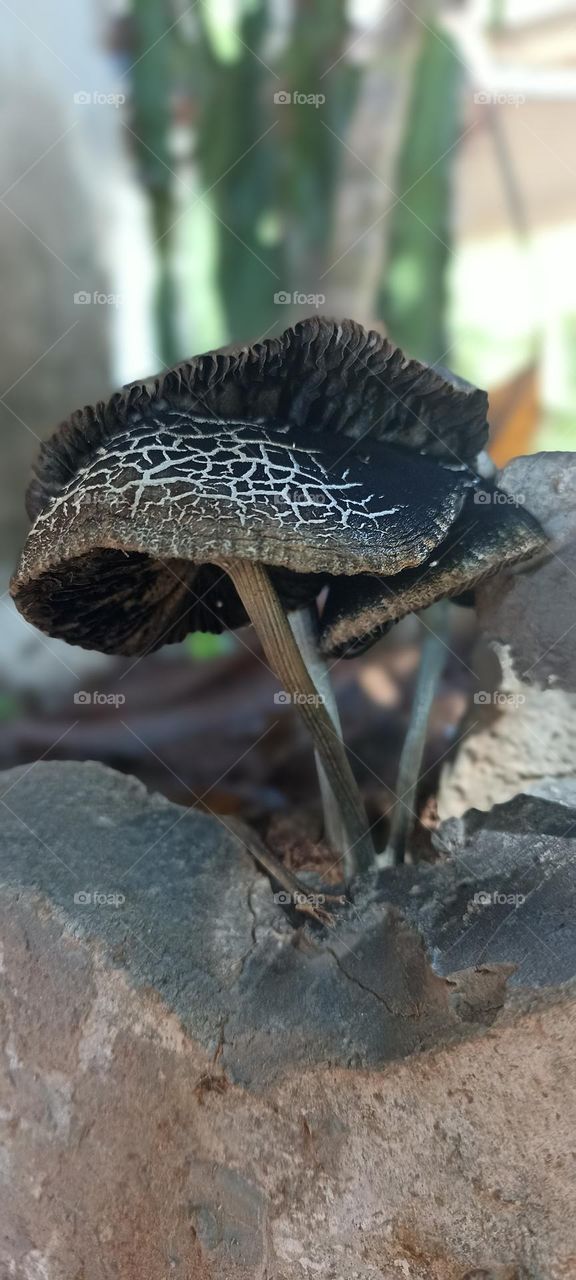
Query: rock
[[528, 730], [531, 612], [195, 1087], [562, 790], [173, 896], [505, 895], [520, 737]]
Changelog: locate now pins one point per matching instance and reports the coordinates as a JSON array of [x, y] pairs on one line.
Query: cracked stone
[[193, 1086], [513, 745]]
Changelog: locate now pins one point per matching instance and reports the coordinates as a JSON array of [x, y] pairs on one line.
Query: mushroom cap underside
[[112, 562], [491, 533]]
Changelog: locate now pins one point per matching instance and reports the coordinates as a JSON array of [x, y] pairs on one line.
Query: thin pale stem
[[268, 616], [432, 661], [305, 629]]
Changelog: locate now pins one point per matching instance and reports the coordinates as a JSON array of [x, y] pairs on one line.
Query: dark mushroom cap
[[491, 532], [324, 452]]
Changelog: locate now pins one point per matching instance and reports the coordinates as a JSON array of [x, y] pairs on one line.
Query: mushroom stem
[[304, 624], [432, 661], [267, 614]]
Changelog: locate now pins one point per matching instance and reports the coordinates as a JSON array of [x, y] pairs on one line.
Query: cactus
[[151, 81], [239, 169], [412, 295], [270, 171]]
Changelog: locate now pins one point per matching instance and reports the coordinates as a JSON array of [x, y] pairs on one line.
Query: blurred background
[[176, 176]]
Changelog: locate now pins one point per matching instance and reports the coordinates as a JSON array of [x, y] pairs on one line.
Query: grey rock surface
[[194, 1085], [506, 895], [175, 898], [560, 789]]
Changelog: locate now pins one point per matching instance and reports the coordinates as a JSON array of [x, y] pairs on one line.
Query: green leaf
[[201, 645]]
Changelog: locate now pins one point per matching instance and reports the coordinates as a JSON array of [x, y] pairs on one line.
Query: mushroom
[[491, 533], [232, 487]]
